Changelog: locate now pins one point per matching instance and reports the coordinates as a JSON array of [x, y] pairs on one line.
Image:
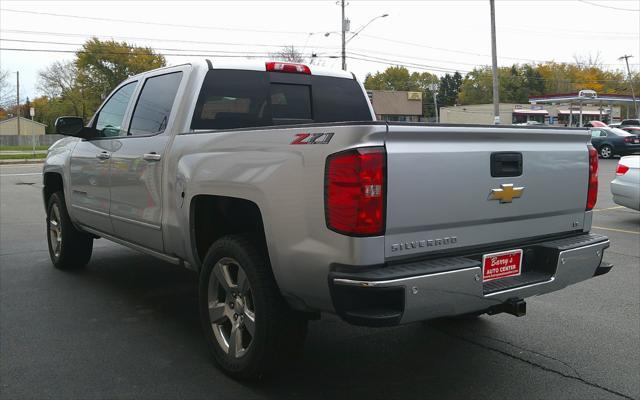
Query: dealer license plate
[[501, 265]]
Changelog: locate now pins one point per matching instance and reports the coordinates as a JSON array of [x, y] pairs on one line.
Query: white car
[[626, 187]]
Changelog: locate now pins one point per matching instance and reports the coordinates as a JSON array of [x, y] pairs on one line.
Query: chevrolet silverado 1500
[[275, 182]]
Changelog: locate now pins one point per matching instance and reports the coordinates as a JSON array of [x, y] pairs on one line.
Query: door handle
[[103, 155], [152, 156]]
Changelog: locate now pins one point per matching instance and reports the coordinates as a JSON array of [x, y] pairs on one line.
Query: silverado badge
[[506, 193]]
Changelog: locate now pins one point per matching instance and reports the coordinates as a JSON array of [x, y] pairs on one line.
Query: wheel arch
[[213, 216], [52, 183]]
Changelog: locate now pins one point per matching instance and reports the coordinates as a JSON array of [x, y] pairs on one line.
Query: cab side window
[[153, 108], [111, 116]]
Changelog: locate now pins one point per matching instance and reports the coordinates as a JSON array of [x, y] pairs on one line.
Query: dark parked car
[[614, 141]]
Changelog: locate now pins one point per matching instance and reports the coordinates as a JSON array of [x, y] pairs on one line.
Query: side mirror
[[69, 126]]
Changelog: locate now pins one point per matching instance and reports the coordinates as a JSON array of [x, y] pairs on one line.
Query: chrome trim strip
[[164, 257], [553, 278], [133, 221], [351, 282], [89, 210]]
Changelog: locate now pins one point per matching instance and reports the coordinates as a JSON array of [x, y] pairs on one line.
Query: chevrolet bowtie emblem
[[506, 193]]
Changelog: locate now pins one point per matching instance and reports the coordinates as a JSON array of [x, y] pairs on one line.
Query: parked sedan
[[634, 130], [614, 141], [626, 187]]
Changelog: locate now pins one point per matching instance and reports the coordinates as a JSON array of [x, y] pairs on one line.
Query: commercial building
[[27, 127], [390, 105], [550, 114]]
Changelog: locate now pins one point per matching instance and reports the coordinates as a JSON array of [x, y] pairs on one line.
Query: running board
[[142, 249]]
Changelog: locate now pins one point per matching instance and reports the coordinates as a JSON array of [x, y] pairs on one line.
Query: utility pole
[[494, 66], [433, 87], [633, 94], [18, 98], [344, 37]]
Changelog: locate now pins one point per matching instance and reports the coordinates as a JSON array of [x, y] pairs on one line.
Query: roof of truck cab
[[251, 65]]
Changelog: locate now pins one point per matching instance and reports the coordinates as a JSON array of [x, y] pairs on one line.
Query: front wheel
[[248, 326], [606, 151], [69, 248]]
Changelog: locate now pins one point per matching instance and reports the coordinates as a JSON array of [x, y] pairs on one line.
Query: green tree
[[77, 87], [448, 89], [399, 78], [102, 65]]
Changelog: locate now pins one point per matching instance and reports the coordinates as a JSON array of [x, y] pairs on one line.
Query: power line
[[204, 54], [611, 7], [150, 39], [358, 51], [373, 59], [154, 48], [420, 45], [152, 23], [408, 63], [197, 42]]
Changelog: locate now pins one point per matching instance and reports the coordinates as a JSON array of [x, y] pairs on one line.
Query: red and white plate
[[501, 265]]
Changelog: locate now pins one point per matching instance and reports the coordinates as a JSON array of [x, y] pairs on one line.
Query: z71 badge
[[312, 138]]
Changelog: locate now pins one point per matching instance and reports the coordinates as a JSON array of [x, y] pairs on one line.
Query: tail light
[[592, 194], [355, 191], [628, 139], [622, 169], [288, 67]]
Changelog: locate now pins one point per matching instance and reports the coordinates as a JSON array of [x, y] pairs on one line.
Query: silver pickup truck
[[275, 183]]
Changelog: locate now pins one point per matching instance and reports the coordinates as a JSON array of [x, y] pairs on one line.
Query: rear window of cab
[[232, 99]]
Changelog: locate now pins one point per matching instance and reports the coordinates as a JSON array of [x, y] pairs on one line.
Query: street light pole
[[433, 87], [633, 94], [365, 25], [494, 65], [18, 98], [345, 28], [344, 38]]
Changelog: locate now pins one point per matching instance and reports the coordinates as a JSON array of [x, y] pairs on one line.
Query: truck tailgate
[[439, 186]]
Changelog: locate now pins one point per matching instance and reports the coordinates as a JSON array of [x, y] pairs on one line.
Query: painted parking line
[[609, 208], [26, 174], [616, 230]]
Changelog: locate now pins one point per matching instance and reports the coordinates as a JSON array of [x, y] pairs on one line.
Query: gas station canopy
[[583, 96]]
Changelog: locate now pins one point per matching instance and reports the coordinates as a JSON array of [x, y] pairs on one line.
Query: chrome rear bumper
[[453, 286]]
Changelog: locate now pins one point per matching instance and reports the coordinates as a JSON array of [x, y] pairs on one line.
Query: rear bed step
[[527, 278]]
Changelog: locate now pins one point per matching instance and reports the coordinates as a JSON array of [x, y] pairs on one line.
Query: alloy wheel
[[55, 231], [231, 307]]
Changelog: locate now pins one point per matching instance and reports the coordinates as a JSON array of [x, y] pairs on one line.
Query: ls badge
[[506, 193]]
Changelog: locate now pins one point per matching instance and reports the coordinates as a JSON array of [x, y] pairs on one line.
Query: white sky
[[437, 36]]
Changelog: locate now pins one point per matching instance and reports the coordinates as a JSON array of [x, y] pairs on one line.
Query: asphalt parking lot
[[127, 327]]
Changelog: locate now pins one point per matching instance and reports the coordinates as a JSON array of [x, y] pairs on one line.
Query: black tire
[[605, 151], [278, 332], [69, 248]]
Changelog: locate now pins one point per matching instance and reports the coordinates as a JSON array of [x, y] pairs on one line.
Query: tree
[[448, 89], [291, 54], [399, 78], [77, 87], [102, 65], [288, 53], [60, 81], [7, 93], [393, 78]]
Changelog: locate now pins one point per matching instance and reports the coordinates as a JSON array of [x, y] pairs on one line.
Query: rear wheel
[[69, 248], [606, 151], [248, 326]]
